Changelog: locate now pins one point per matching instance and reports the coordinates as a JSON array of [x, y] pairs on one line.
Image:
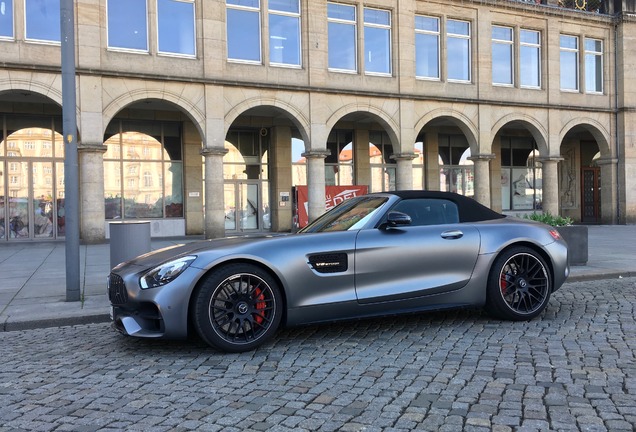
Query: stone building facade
[[201, 116]]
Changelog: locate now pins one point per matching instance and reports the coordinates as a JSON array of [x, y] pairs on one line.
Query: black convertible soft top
[[469, 209]]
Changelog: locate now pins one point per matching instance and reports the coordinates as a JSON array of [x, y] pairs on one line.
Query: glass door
[[245, 209]]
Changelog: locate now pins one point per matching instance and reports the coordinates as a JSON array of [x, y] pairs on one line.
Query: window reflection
[[6, 19], [127, 24], [42, 20], [143, 178], [176, 27]]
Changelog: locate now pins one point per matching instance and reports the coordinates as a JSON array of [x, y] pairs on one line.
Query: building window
[[42, 20], [427, 47], [127, 25], [342, 37], [593, 65], [521, 175], [284, 32], [136, 186], [502, 55], [377, 41], [458, 50], [6, 19], [175, 27], [339, 164], [530, 58], [569, 63], [244, 30], [456, 169]]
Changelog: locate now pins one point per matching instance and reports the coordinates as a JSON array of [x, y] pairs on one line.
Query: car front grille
[[117, 293]]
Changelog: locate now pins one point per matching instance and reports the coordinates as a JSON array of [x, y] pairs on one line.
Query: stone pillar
[[214, 197], [404, 175], [609, 197], [481, 165], [316, 182], [280, 178], [362, 162], [91, 179], [550, 184]]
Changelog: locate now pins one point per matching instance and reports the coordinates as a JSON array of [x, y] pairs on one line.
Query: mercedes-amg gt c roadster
[[373, 255]]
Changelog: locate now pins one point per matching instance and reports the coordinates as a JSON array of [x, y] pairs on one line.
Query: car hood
[[222, 246]]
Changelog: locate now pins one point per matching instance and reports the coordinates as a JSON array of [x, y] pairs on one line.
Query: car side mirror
[[395, 219]]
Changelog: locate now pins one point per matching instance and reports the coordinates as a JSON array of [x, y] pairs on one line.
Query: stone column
[[609, 197], [214, 197], [550, 184], [91, 179], [404, 174], [481, 165], [316, 182]]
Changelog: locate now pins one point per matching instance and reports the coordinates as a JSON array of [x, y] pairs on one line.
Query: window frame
[[194, 31], [298, 17], [252, 9], [41, 41], [596, 54], [125, 49], [468, 38], [436, 34], [577, 52], [387, 27], [536, 46], [510, 43], [11, 37], [354, 25]]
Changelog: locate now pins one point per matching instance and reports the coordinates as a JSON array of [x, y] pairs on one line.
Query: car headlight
[[164, 273]]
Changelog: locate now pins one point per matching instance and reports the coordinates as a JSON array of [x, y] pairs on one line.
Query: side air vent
[[329, 263]]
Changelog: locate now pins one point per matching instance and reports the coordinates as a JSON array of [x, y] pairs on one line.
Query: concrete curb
[[54, 322]]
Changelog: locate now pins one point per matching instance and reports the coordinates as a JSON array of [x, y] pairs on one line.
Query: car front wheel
[[519, 285], [237, 308]]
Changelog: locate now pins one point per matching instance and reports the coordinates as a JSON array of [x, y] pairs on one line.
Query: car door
[[429, 257]]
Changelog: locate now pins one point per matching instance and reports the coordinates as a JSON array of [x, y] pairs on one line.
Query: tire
[[237, 308], [519, 285]]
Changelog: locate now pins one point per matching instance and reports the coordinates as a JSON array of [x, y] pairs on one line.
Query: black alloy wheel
[[238, 308], [519, 285]]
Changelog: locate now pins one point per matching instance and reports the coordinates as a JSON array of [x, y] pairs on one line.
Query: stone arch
[[595, 128], [32, 85], [536, 129], [295, 114], [459, 119], [382, 117], [185, 105]]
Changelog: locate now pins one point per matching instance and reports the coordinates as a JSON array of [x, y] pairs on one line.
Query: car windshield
[[349, 215]]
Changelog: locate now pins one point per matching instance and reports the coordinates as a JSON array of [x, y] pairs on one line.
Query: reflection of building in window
[[456, 170], [521, 176], [151, 170]]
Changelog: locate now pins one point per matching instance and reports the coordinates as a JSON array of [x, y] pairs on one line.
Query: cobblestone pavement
[[573, 369]]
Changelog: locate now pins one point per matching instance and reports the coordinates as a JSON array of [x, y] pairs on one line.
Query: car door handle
[[452, 234]]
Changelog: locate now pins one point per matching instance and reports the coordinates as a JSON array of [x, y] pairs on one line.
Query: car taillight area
[[555, 234]]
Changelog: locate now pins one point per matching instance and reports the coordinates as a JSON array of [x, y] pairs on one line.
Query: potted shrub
[[574, 235]]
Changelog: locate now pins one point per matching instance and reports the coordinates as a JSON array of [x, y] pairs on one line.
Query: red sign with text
[[334, 195]]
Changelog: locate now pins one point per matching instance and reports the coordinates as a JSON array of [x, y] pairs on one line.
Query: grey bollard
[[128, 240]]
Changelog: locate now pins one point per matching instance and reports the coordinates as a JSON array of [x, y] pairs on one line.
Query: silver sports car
[[378, 254]]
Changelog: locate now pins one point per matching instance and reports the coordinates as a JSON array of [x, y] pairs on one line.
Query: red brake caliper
[[503, 284], [260, 306]]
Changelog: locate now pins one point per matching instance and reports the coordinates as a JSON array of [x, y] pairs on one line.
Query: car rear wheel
[[237, 308], [519, 285]]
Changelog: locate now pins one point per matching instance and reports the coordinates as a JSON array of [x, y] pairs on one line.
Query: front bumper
[[150, 313]]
